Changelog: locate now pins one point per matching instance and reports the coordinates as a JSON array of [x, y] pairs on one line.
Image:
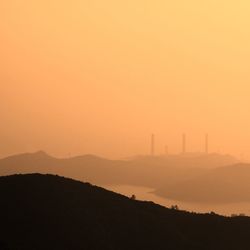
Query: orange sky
[[100, 76]]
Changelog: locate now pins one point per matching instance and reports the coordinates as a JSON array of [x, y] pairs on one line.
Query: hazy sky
[[100, 76]]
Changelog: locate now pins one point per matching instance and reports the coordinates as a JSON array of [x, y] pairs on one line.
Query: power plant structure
[[184, 141], [166, 150], [152, 146], [206, 144], [205, 150]]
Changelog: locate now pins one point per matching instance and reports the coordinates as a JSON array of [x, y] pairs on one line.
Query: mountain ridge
[[52, 212]]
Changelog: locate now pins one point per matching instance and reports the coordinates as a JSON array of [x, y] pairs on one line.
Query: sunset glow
[[99, 77]]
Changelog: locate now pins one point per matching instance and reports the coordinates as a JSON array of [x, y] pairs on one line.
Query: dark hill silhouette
[[51, 212], [142, 171], [224, 184]]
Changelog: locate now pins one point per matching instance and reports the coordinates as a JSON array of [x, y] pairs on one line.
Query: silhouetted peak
[[38, 155], [25, 156], [41, 153]]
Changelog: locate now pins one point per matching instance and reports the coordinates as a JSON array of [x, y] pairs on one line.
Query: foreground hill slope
[[51, 212]]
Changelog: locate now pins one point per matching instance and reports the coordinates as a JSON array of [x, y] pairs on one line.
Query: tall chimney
[[183, 143], [166, 150], [152, 145], [206, 144]]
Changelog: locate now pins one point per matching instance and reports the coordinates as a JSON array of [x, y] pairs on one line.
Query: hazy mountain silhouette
[[87, 167], [191, 160], [51, 212], [225, 184], [143, 171]]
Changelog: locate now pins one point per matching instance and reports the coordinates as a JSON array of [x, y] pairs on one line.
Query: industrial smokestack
[[183, 143], [166, 150], [206, 144], [152, 146]]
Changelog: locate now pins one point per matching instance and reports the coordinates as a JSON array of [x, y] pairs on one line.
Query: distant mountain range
[[50, 212], [185, 177], [147, 171], [220, 185]]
